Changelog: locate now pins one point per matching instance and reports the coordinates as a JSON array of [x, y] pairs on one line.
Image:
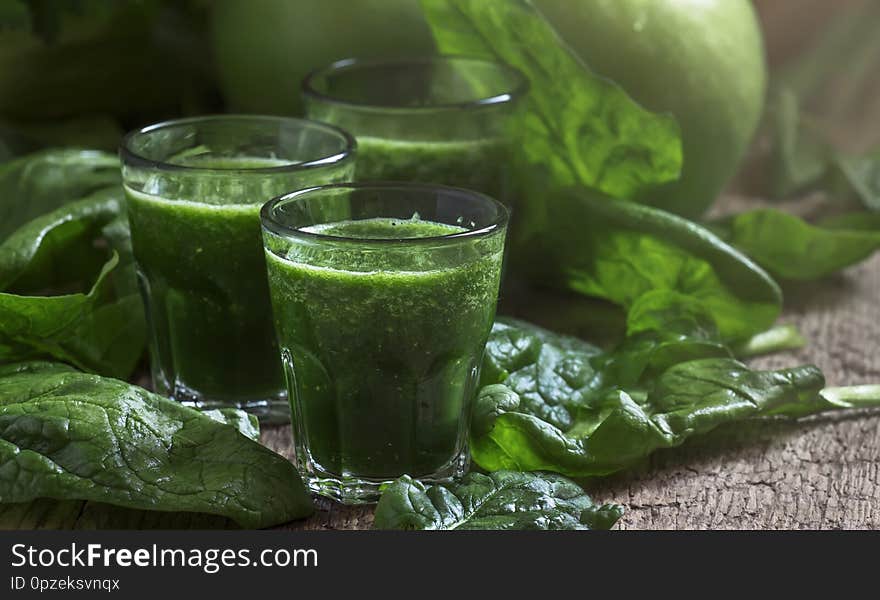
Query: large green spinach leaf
[[500, 500], [67, 435], [65, 294], [791, 248], [41, 182], [586, 145], [67, 286], [579, 128], [556, 404], [45, 513], [555, 376]]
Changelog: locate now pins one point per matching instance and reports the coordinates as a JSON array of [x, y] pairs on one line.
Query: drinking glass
[[384, 295], [194, 188], [447, 119]]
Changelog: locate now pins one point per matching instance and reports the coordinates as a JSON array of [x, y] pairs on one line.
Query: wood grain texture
[[822, 472]]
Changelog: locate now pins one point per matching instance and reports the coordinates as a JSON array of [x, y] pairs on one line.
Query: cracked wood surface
[[822, 472]]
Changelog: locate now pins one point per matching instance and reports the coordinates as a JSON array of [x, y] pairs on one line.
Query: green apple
[[701, 60]]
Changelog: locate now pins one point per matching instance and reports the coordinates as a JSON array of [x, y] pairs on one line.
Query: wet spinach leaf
[[45, 513], [558, 405], [66, 435], [502, 500]]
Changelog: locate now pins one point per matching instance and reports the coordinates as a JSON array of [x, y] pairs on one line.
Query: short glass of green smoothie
[[383, 295], [445, 119], [194, 188]]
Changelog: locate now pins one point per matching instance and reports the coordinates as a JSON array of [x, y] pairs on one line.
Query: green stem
[[775, 339], [853, 396]]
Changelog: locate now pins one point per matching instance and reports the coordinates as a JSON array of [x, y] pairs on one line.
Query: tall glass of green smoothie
[[194, 188], [383, 296], [447, 120]]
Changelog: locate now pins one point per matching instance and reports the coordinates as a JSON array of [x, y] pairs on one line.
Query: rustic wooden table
[[822, 472]]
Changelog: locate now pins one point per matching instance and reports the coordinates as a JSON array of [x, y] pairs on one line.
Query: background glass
[[381, 332], [194, 188], [444, 120]]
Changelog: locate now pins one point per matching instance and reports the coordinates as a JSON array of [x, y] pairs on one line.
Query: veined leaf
[[67, 435], [579, 128], [39, 183], [500, 501], [557, 404], [63, 295]]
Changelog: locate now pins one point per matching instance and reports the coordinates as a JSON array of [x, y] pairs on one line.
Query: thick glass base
[[351, 489], [269, 411]]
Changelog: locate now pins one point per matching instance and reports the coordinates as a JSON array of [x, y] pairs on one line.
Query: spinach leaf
[[580, 128], [68, 435], [45, 513], [861, 176], [630, 254], [39, 183], [55, 249], [585, 143], [802, 159], [64, 294], [791, 248], [551, 403], [800, 156], [554, 376], [500, 501]]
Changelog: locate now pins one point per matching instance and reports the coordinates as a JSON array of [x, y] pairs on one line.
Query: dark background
[[81, 72]]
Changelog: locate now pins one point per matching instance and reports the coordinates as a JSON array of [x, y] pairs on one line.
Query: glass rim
[[129, 156], [517, 91], [269, 222]]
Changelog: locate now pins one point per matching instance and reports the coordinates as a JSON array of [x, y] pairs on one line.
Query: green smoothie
[[383, 345], [203, 277], [480, 165]]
